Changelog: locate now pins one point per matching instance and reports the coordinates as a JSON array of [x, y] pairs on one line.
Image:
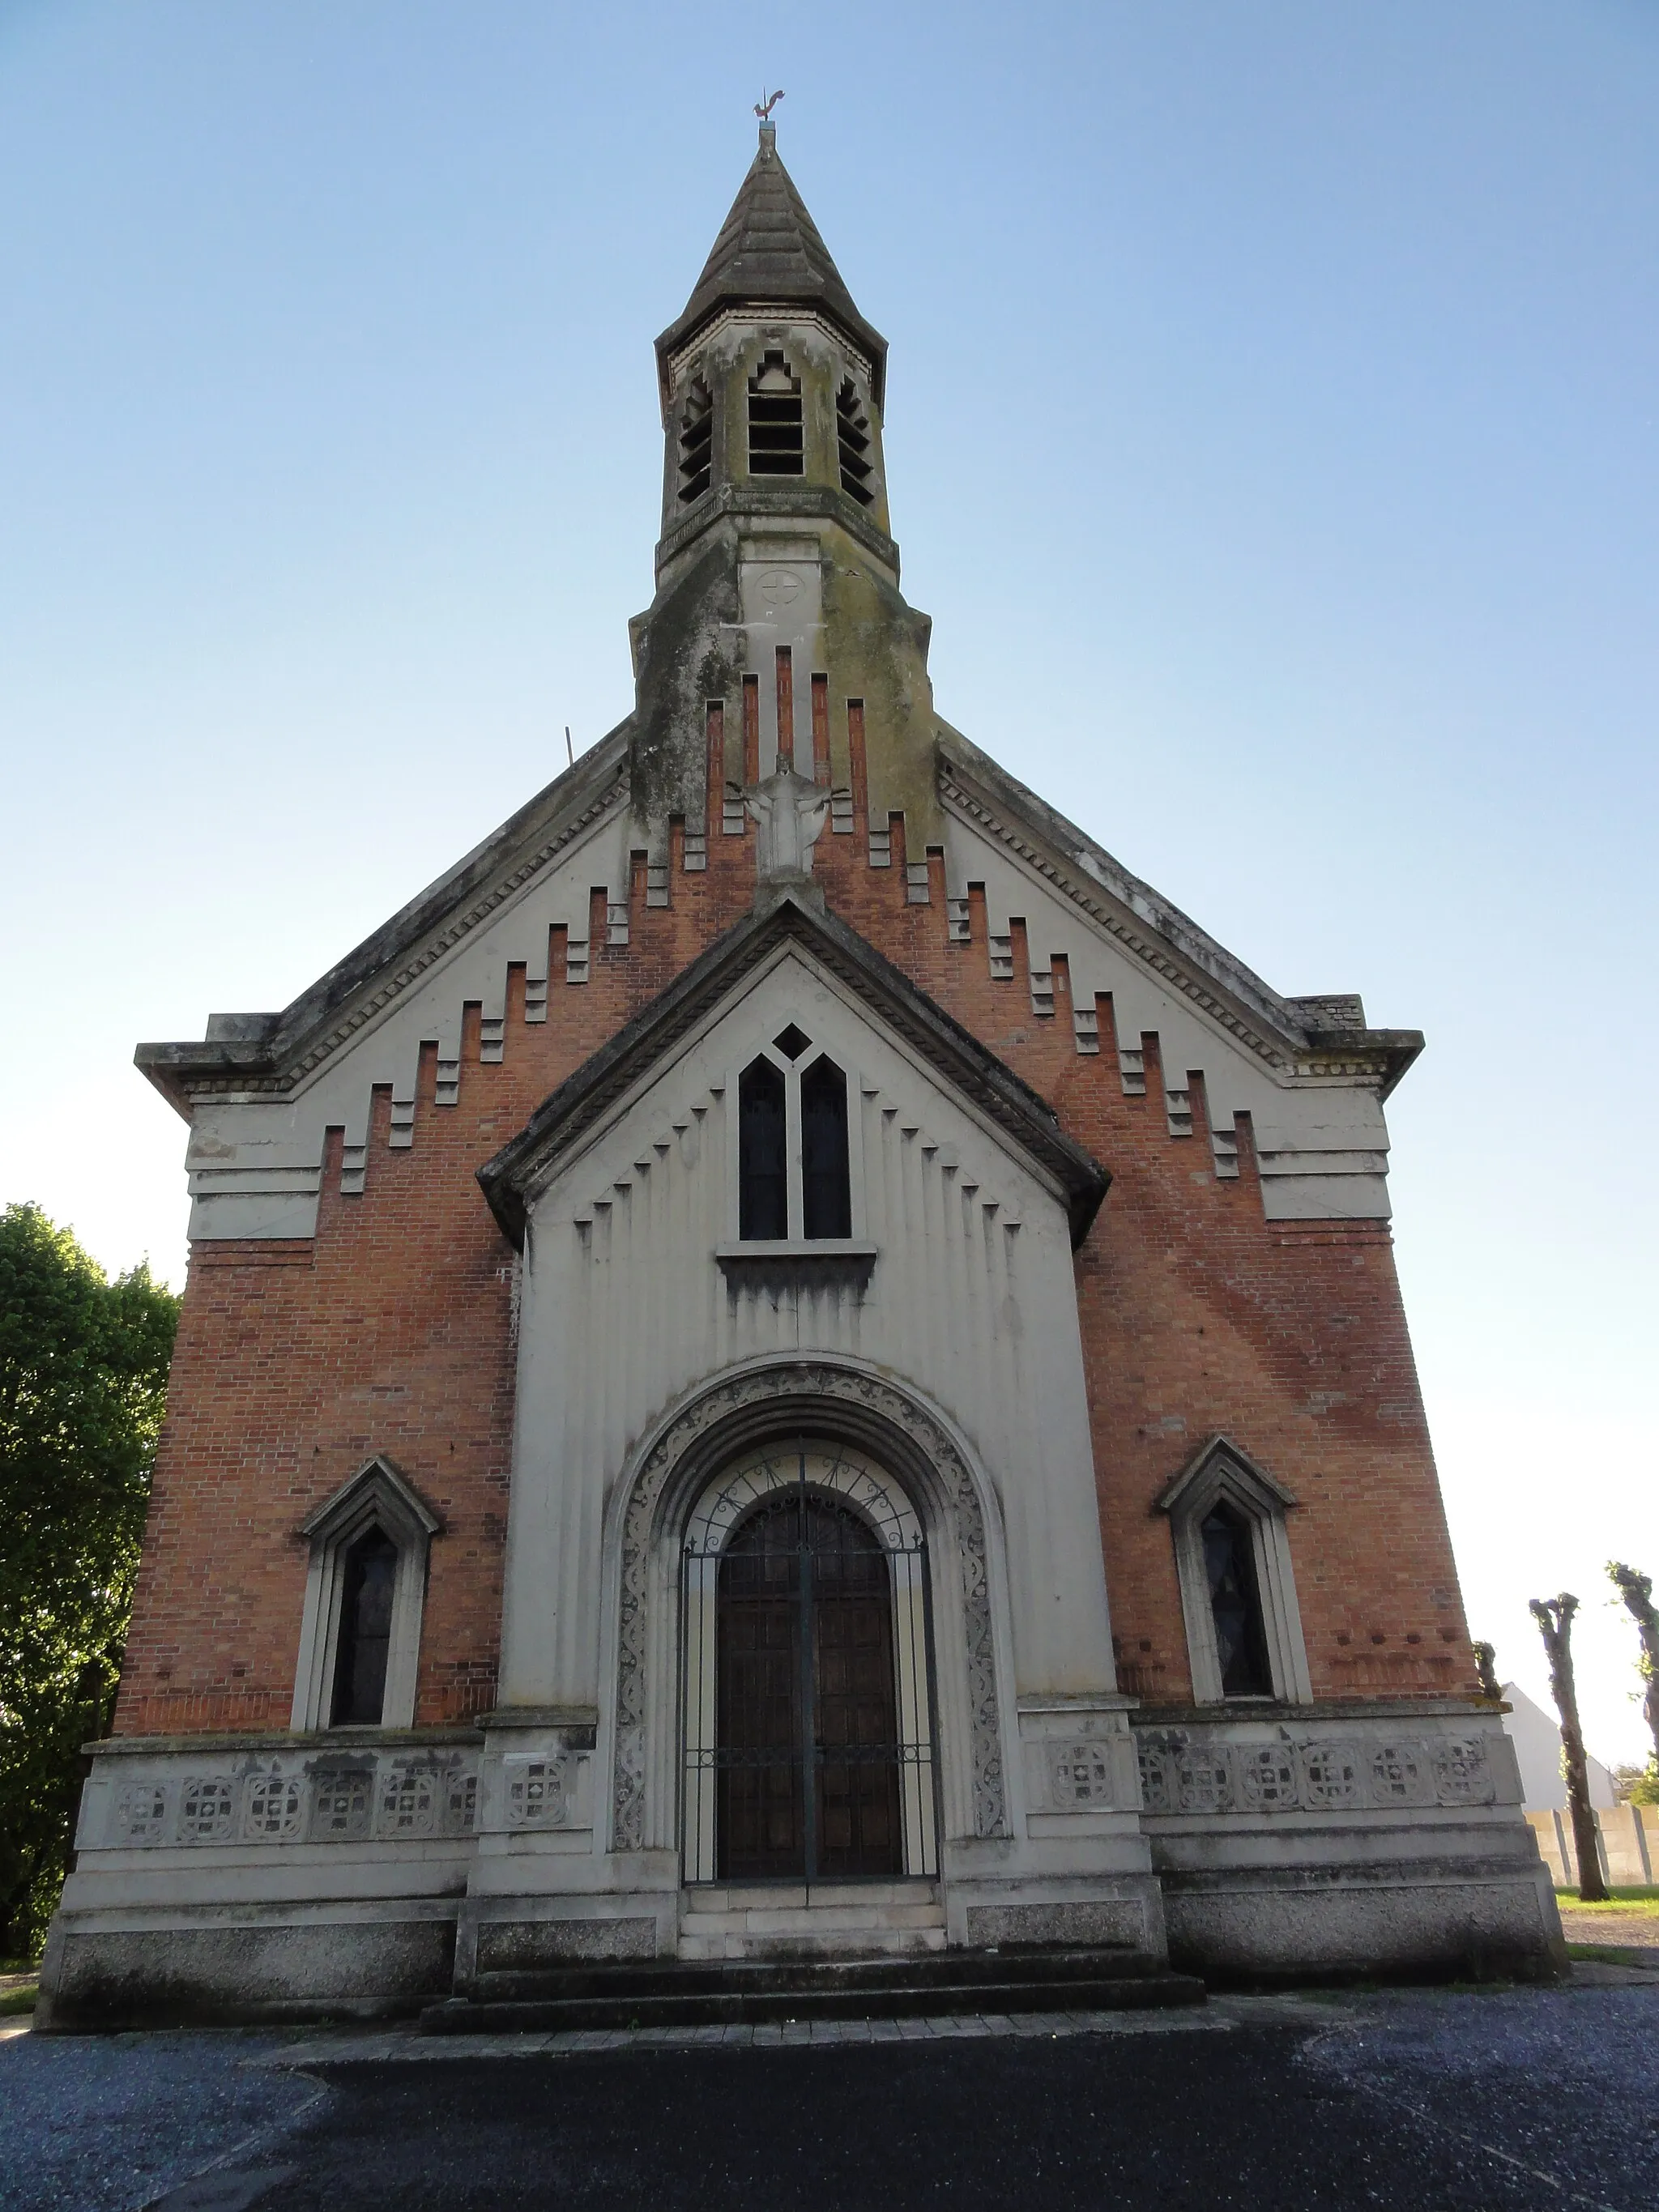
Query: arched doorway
[[808, 1752]]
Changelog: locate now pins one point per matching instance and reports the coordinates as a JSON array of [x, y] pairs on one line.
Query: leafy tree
[[83, 1370]]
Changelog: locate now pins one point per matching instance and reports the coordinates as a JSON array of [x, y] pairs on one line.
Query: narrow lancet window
[[368, 1584], [853, 443], [1241, 1644], [826, 1184], [763, 1154], [696, 442], [776, 437]]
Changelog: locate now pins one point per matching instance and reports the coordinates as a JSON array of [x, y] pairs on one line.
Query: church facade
[[789, 1363]]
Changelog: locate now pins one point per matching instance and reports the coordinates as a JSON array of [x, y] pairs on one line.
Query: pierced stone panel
[[1267, 1779], [1330, 1775], [539, 1790], [207, 1811], [1462, 1773], [273, 1809], [1081, 1774], [406, 1801], [1185, 1771], [1158, 1786], [392, 1798], [1400, 1775], [340, 1804], [141, 1813]]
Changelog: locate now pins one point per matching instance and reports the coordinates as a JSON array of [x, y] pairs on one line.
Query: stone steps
[[727, 1992], [777, 1920]]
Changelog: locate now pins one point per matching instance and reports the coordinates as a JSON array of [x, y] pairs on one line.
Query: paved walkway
[[1407, 2102]]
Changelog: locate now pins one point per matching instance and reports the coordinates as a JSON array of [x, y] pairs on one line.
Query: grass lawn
[[20, 2000], [1644, 1901]]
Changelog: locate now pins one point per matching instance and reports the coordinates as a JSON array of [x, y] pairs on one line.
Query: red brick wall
[[296, 1361]]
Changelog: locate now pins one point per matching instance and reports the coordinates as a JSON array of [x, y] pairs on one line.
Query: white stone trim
[[793, 1072], [972, 1648], [1221, 1471], [378, 1495]]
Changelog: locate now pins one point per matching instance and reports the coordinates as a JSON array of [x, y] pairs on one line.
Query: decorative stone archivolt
[[823, 1400]]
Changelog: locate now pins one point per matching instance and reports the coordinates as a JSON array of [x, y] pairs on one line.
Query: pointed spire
[[769, 250]]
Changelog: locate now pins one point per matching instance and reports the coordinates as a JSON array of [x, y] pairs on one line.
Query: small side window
[[1241, 1646], [369, 1586], [1232, 1551], [360, 1635]]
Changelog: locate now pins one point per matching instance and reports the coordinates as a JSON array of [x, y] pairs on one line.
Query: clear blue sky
[[1271, 434]]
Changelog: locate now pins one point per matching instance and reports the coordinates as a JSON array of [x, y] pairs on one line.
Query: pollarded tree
[[1636, 1590], [1554, 1618], [83, 1368]]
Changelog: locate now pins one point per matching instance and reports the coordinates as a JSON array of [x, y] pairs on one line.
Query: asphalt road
[[1437, 2102]]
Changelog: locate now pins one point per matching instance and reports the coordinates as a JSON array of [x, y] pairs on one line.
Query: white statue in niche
[[789, 811]]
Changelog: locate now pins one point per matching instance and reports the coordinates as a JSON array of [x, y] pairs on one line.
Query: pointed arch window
[[1227, 1517], [697, 452], [369, 1587], [825, 1175], [796, 1150], [763, 1153], [360, 1634], [852, 444], [776, 430]]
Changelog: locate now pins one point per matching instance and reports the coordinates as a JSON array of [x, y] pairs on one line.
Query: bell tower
[[777, 594], [771, 379]]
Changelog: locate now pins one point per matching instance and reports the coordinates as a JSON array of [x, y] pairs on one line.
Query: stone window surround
[[378, 1495], [856, 1246], [1220, 1472]]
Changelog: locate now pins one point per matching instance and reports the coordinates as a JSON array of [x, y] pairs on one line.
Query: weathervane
[[771, 101]]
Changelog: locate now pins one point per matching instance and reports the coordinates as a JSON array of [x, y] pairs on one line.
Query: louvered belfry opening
[[696, 442], [776, 435], [853, 443]]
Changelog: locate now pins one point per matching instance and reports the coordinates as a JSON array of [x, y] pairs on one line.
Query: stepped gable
[[522, 1165]]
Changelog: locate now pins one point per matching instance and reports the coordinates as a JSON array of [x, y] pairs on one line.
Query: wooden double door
[[808, 1753]]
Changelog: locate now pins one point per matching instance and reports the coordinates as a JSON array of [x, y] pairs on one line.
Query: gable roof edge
[[584, 1098], [256, 1047], [1296, 1029]]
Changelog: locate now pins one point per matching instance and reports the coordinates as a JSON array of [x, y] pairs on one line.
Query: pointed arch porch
[[745, 1408]]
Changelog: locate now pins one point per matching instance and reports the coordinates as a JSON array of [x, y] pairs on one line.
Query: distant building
[[1536, 1736], [675, 1453]]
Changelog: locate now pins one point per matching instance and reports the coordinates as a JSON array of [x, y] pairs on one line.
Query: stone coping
[[1321, 1708], [343, 1742]]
